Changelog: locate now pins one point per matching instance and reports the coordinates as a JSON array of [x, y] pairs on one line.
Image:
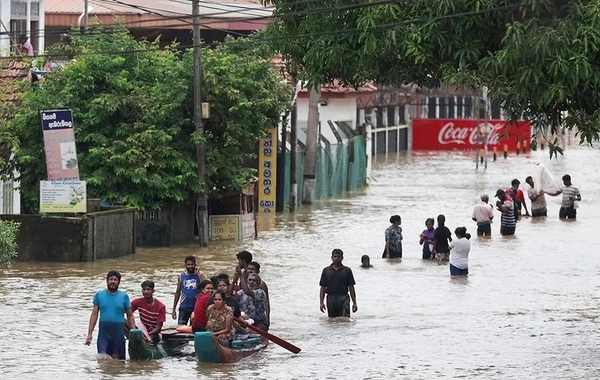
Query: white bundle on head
[[543, 180]]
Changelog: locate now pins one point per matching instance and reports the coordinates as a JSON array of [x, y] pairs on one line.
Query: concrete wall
[[167, 226], [67, 239]]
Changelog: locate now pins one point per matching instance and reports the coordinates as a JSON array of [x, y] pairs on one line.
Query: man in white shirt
[[538, 199], [483, 215]]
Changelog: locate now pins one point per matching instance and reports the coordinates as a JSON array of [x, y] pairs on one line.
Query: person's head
[[253, 267], [244, 258], [215, 279], [529, 181], [429, 222], [484, 198], [365, 260], [148, 289], [461, 232], [223, 285], [515, 183], [23, 38], [254, 281], [441, 219], [566, 180], [219, 299], [207, 287], [337, 255], [500, 194], [395, 219], [113, 279], [190, 264]]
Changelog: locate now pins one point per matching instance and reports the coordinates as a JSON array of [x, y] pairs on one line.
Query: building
[[19, 17]]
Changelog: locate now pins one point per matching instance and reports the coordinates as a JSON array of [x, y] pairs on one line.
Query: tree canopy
[[539, 58], [132, 103]]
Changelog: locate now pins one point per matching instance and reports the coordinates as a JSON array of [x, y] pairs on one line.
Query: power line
[[316, 34]]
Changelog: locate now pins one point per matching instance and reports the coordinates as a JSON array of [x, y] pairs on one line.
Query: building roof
[[12, 71], [332, 88], [226, 9]]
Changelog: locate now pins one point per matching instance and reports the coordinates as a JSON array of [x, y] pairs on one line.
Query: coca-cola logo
[[451, 134]]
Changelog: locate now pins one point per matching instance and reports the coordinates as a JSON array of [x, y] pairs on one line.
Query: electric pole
[[312, 140], [201, 203]]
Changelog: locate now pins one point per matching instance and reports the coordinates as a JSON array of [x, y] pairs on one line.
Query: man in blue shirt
[[188, 289], [111, 303]]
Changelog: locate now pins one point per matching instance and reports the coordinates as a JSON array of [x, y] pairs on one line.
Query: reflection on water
[[527, 310]]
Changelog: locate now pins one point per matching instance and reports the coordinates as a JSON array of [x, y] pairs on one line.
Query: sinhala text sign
[[267, 171], [59, 144], [225, 227], [63, 196]]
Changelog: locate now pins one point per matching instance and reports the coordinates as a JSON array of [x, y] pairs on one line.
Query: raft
[[210, 349], [172, 345]]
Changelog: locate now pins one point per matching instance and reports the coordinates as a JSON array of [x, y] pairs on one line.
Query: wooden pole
[[312, 134]]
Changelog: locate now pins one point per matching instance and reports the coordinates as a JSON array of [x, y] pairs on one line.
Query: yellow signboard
[[267, 171], [225, 227]]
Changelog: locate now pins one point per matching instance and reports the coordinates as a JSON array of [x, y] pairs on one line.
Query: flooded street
[[528, 310]]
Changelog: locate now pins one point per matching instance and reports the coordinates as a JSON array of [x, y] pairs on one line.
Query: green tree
[[8, 242], [538, 57], [132, 105]]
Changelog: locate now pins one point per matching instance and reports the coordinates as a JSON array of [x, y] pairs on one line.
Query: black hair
[[222, 293], [395, 218], [113, 273], [441, 219], [365, 257], [245, 256], [515, 182], [256, 265], [528, 178], [215, 279], [204, 283], [566, 177], [338, 251], [430, 220], [462, 231], [191, 258], [223, 279], [148, 284]]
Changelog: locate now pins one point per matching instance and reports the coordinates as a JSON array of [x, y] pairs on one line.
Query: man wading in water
[[336, 281]]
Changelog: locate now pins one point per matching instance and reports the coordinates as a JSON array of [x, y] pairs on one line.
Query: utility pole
[[293, 152], [86, 16], [312, 134], [201, 203]]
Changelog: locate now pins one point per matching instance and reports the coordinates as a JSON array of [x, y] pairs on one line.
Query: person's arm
[[176, 299], [578, 196], [353, 297], [387, 250], [130, 320], [559, 191], [265, 288], [522, 199], [245, 287], [228, 326], [92, 324], [322, 299]]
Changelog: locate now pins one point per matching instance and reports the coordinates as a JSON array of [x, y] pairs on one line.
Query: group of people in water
[[218, 305], [438, 243]]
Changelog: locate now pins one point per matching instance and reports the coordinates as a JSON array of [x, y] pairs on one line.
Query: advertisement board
[[63, 196], [463, 134], [267, 171], [59, 145]]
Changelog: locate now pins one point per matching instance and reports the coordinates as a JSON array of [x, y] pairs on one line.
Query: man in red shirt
[[153, 313], [518, 198]]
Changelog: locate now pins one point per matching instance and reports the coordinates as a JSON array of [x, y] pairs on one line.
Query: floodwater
[[528, 310]]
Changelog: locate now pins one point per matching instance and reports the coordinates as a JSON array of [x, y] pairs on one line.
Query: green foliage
[[133, 116], [539, 57], [8, 242]]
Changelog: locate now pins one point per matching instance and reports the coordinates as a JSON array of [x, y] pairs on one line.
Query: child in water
[[365, 261]]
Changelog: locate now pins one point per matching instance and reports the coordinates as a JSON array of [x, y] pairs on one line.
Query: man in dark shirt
[[336, 281]]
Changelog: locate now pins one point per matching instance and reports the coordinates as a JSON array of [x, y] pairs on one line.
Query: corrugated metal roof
[[226, 9]]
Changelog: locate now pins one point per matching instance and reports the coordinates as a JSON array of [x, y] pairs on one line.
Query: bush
[[8, 242]]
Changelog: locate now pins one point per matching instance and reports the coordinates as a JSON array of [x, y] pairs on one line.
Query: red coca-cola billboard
[[461, 134]]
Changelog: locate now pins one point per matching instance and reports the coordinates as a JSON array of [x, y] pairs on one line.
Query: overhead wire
[[327, 32]]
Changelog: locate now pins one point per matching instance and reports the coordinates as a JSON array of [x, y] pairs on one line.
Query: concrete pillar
[[5, 28]]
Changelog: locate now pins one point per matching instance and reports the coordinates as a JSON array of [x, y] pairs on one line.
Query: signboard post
[[267, 171], [59, 145]]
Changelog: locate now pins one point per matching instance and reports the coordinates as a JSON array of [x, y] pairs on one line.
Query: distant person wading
[[393, 239]]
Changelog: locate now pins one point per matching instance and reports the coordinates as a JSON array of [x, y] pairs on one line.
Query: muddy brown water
[[528, 310]]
